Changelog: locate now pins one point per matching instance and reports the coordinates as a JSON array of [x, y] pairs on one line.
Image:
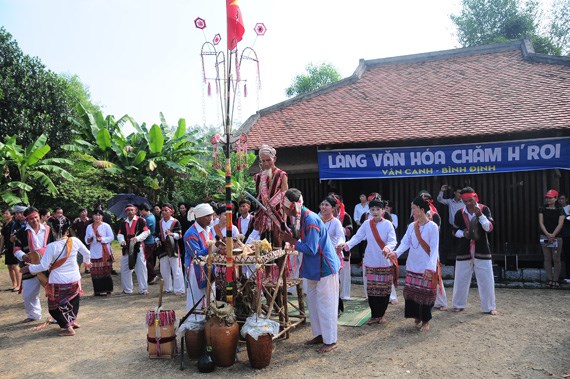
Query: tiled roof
[[495, 90]]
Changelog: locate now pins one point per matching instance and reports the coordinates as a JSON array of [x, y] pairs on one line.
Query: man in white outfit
[[132, 232], [474, 222]]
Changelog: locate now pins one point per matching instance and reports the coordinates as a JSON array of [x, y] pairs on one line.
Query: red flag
[[235, 24]]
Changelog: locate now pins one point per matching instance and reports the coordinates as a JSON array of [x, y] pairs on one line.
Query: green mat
[[356, 311]]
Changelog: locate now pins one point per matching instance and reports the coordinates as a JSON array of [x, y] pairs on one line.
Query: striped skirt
[[419, 290], [379, 281], [101, 275]]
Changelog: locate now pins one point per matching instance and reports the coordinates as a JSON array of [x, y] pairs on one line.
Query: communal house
[[493, 117]]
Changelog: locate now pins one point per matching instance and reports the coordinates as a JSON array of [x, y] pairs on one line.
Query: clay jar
[[195, 343], [259, 352], [223, 339]]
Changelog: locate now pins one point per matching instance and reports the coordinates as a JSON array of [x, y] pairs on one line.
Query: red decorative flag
[[235, 24]]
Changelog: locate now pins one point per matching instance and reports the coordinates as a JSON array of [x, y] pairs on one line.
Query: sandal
[[555, 284]]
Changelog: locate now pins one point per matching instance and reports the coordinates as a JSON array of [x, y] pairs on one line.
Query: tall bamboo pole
[[229, 205]]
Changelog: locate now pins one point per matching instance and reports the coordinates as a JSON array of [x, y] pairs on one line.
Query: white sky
[[142, 57]]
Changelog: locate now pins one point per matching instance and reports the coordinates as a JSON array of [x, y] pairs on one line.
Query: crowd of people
[[35, 242]]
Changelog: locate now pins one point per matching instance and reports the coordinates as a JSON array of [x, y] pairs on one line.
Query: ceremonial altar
[[261, 286]]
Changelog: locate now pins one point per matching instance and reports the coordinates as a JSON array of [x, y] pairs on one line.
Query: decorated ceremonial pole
[[235, 31], [228, 85]]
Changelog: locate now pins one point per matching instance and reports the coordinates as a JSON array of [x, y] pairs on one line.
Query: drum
[[35, 258], [171, 247], [132, 254], [161, 337]]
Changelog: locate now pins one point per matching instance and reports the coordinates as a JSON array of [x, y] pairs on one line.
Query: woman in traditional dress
[[380, 271], [64, 282], [99, 236], [422, 240], [337, 235]]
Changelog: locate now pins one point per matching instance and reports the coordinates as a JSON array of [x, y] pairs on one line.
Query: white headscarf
[[202, 210], [267, 150]]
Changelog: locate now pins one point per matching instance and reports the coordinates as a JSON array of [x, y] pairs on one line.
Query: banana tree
[[146, 162], [32, 168]]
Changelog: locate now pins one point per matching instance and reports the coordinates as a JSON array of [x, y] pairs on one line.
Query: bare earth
[[529, 339]]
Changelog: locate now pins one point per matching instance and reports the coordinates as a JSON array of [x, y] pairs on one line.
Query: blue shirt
[[151, 225], [319, 255]]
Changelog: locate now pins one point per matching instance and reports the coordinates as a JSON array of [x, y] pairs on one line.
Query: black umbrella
[[118, 203]]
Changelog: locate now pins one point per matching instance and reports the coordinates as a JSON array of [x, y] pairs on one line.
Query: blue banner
[[483, 158]]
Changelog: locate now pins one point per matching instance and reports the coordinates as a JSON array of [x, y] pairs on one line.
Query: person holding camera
[[550, 221]]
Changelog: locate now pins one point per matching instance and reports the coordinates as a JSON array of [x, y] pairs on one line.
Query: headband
[[130, 207], [469, 195], [287, 203], [33, 214]]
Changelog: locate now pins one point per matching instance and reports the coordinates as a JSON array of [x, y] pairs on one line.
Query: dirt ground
[[529, 339]]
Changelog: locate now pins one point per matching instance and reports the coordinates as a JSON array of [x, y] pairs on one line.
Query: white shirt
[[454, 206], [141, 237], [95, 247], [373, 256], [235, 231], [38, 239], [244, 223], [335, 231], [67, 272], [394, 220], [483, 220], [418, 260], [166, 225], [359, 210]]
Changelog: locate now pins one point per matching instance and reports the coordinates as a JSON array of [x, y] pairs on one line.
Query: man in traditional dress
[[474, 222], [169, 232], [132, 232], [196, 241], [33, 238], [271, 184], [320, 267], [245, 220]]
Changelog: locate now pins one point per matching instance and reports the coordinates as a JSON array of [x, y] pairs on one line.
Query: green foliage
[[33, 99], [209, 184], [146, 162], [315, 78], [90, 187], [78, 94], [27, 170], [490, 21]]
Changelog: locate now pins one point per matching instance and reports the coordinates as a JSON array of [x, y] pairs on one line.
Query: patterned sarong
[[101, 275], [63, 302], [419, 290], [379, 280], [61, 294]]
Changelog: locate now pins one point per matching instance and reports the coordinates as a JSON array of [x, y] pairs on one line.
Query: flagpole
[[229, 205]]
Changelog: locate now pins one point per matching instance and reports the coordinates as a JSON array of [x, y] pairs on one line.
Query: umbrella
[[118, 203]]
